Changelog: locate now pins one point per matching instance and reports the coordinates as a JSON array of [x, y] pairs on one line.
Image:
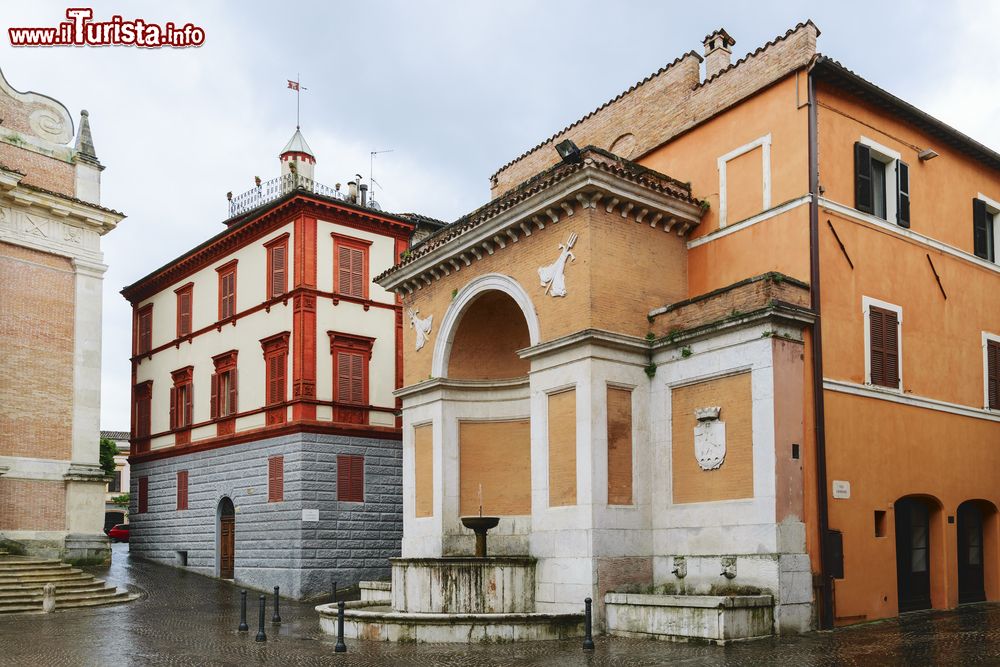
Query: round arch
[[453, 317]]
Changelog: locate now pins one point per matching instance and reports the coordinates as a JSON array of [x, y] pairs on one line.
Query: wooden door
[[913, 554], [227, 546], [971, 586]]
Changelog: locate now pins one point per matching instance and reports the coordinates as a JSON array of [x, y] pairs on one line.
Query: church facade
[[727, 334], [265, 440]]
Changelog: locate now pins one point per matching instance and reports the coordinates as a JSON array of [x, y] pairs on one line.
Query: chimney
[[352, 192], [717, 52], [364, 193]]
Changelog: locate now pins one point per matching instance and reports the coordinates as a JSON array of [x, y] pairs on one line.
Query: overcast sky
[[455, 89]]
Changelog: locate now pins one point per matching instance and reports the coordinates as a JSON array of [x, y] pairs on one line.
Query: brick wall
[[734, 479], [668, 103], [37, 295], [744, 297], [486, 340], [40, 170], [30, 504]]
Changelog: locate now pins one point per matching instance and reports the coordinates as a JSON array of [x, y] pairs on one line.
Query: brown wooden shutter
[[993, 374], [276, 381], [215, 396], [357, 379], [143, 416], [863, 178], [277, 270], [184, 312], [884, 344], [145, 331], [358, 479], [343, 478], [275, 479], [357, 272], [182, 489], [188, 404], [344, 270], [233, 393], [143, 504], [173, 408], [902, 194]]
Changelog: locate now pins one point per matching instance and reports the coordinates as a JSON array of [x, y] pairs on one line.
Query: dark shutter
[[343, 478], [143, 495], [902, 194], [993, 374], [233, 393], [862, 178], [277, 270], [883, 337], [358, 479], [276, 379], [173, 408], [980, 232], [182, 490], [215, 396], [188, 404], [351, 478], [275, 479]]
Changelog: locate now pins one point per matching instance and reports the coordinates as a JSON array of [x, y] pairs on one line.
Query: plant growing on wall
[[122, 500]]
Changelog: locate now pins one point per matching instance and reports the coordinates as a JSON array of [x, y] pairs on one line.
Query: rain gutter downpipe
[[819, 415]]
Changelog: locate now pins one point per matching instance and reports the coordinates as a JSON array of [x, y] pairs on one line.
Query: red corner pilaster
[[304, 320]]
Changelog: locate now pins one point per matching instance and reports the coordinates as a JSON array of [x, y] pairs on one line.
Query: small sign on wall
[[310, 515], [841, 489]]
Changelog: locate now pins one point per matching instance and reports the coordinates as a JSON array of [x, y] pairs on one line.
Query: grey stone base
[[87, 547], [275, 545]]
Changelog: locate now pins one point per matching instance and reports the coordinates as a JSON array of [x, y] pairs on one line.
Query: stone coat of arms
[[709, 438]]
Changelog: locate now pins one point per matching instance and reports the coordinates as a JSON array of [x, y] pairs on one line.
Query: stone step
[[35, 570], [22, 560], [94, 602], [66, 583], [73, 596], [20, 566], [55, 575], [84, 587]]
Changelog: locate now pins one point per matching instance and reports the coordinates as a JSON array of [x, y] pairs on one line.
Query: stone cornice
[[588, 187], [599, 337], [70, 210]]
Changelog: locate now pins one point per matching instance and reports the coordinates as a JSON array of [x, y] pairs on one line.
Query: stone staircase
[[22, 580]]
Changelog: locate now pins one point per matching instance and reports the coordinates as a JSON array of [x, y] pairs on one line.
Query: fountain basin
[[497, 584], [480, 525]]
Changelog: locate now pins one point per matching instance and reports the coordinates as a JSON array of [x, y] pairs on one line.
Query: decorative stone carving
[[680, 567], [421, 325], [709, 438], [553, 276], [729, 567]]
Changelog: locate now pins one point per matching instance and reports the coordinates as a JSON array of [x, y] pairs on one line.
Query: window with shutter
[[144, 336], [983, 230], [184, 305], [143, 501], [350, 274], [862, 178], [351, 478], [883, 339], [214, 411], [182, 489], [227, 290], [993, 374], [275, 479], [881, 182], [277, 267], [351, 355], [143, 415], [350, 378], [276, 378]]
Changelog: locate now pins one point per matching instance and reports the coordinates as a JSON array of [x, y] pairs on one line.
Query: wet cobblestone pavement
[[187, 619]]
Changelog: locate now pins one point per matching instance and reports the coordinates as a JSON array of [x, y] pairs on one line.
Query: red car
[[119, 533]]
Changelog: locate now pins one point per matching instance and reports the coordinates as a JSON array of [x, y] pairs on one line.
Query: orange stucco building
[[797, 185]]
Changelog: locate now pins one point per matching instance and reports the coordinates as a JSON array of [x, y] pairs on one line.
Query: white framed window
[[986, 228], [991, 371], [883, 329], [764, 143], [882, 182]]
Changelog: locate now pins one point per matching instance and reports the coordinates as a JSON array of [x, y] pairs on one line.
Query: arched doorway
[[227, 538], [971, 561], [913, 554]]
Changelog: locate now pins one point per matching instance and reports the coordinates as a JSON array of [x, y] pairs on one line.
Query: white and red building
[[265, 432]]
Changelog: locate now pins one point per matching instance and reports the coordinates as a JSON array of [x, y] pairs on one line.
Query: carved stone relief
[[709, 438], [422, 326], [553, 276]]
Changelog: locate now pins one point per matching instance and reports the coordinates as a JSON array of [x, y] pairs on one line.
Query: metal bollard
[[341, 647], [588, 638], [243, 612], [276, 618], [334, 590], [261, 636]]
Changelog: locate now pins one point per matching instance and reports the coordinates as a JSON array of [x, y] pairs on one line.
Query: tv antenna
[[371, 167]]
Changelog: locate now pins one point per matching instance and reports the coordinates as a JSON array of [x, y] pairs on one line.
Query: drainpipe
[[826, 615]]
